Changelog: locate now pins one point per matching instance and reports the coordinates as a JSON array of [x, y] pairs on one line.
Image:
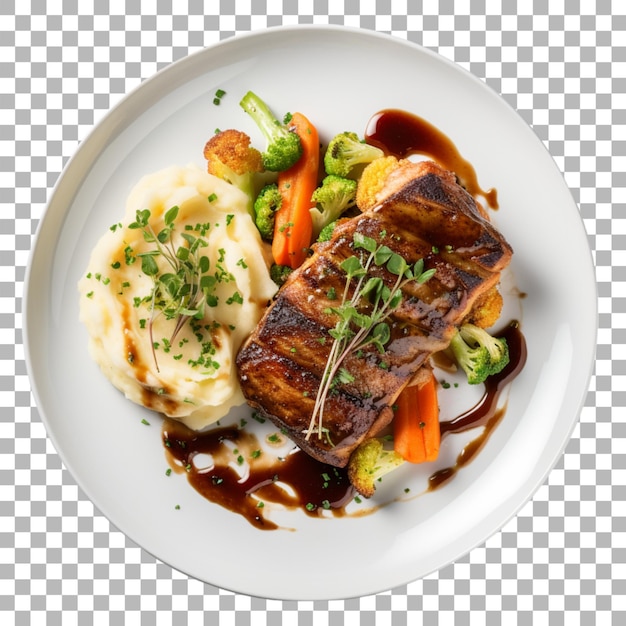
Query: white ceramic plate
[[348, 76]]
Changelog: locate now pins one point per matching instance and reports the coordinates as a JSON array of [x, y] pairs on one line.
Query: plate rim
[[127, 100]]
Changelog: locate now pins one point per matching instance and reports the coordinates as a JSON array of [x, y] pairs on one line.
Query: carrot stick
[[416, 423], [293, 226]]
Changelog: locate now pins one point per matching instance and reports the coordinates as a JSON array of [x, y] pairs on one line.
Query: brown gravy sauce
[[402, 134], [313, 487]]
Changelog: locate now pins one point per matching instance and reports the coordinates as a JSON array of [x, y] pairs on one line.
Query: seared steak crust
[[281, 364]]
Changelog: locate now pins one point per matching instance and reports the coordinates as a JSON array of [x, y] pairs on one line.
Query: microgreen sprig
[[355, 329], [182, 293]]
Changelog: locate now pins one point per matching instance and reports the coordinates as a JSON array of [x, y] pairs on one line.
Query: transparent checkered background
[[562, 560]]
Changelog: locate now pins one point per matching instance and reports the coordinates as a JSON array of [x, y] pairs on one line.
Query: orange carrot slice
[[417, 434], [293, 227]]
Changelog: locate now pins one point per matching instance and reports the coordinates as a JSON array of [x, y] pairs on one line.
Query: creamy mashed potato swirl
[[193, 376]]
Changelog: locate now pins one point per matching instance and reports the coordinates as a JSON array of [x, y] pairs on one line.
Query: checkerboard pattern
[[562, 65]]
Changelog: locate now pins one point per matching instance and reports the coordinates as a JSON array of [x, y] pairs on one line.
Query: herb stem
[[370, 328]]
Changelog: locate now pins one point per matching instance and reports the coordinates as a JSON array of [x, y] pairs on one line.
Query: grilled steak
[[428, 216]]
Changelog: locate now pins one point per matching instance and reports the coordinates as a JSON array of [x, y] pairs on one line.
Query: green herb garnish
[[183, 291], [361, 319]]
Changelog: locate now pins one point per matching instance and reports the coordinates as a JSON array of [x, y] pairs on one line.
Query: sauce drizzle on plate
[[401, 134], [242, 478]]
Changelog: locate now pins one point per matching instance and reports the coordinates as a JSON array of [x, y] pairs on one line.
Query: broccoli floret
[[345, 151], [370, 462], [283, 146], [478, 354], [496, 346], [474, 361], [230, 157], [266, 204], [280, 273], [327, 232], [334, 196]]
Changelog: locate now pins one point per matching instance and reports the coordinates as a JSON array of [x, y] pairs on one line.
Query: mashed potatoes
[[191, 375]]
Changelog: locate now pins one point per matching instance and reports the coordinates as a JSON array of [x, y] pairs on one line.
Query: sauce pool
[[401, 134], [295, 481]]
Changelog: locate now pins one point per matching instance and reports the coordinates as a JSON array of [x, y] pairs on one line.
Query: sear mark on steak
[[280, 365]]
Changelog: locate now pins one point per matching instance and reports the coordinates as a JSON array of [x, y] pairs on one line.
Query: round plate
[[339, 78]]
